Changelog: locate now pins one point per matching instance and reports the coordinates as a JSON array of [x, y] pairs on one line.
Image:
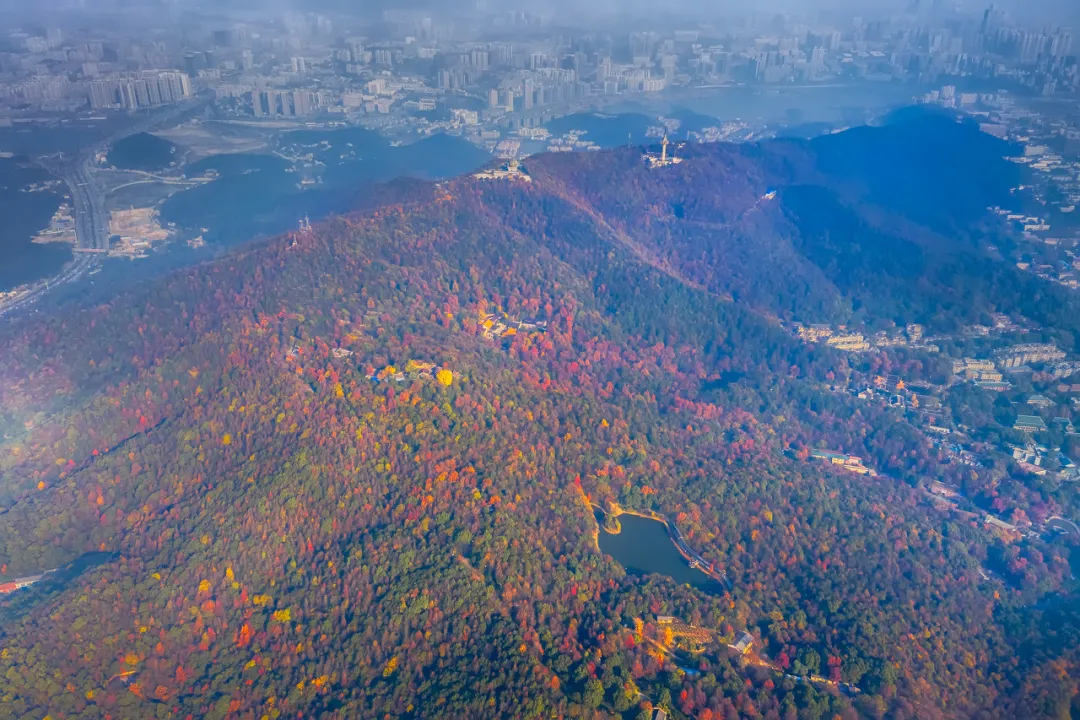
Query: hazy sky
[[1032, 13]]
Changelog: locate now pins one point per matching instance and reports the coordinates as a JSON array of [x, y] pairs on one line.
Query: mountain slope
[[291, 536]]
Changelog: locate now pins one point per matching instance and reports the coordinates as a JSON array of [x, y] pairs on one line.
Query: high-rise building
[[668, 63], [104, 94], [270, 103], [149, 89], [502, 54], [603, 69], [194, 62], [479, 59], [1032, 46], [36, 44], [642, 44], [527, 94], [1061, 44], [301, 101]]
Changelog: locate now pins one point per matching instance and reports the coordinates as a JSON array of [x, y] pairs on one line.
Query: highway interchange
[[88, 206]]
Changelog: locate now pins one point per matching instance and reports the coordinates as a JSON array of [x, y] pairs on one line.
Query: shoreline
[[694, 559]]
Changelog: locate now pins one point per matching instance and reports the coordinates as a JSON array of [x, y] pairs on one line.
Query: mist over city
[[614, 360]]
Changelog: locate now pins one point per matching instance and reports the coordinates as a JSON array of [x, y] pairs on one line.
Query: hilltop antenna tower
[[303, 231]]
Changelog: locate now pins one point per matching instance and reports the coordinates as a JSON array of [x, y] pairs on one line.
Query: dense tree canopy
[[301, 521]]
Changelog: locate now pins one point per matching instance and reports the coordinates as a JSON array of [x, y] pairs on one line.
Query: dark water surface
[[643, 547], [24, 215], [257, 194], [254, 195], [834, 103], [624, 128]]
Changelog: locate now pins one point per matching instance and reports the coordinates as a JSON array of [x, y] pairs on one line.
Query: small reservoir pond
[[643, 547]]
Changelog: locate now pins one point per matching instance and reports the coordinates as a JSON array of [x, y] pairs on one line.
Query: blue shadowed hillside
[[142, 151], [924, 163]]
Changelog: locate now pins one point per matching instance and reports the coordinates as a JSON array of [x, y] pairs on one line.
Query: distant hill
[[142, 151], [607, 131], [348, 473]]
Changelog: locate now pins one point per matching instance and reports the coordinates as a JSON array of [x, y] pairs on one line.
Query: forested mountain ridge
[[297, 532]]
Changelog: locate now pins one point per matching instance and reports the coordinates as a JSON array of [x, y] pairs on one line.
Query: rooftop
[[1029, 422]]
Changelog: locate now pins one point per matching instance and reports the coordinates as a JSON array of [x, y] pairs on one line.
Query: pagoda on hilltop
[[510, 170], [662, 160]]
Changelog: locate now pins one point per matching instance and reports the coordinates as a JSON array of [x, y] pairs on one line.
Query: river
[[643, 547]]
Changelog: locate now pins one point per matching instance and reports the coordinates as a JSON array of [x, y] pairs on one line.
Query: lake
[[610, 131], [840, 103], [257, 194], [254, 195], [643, 547], [25, 214]]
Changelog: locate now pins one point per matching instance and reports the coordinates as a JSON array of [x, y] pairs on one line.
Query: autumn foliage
[[289, 530]]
